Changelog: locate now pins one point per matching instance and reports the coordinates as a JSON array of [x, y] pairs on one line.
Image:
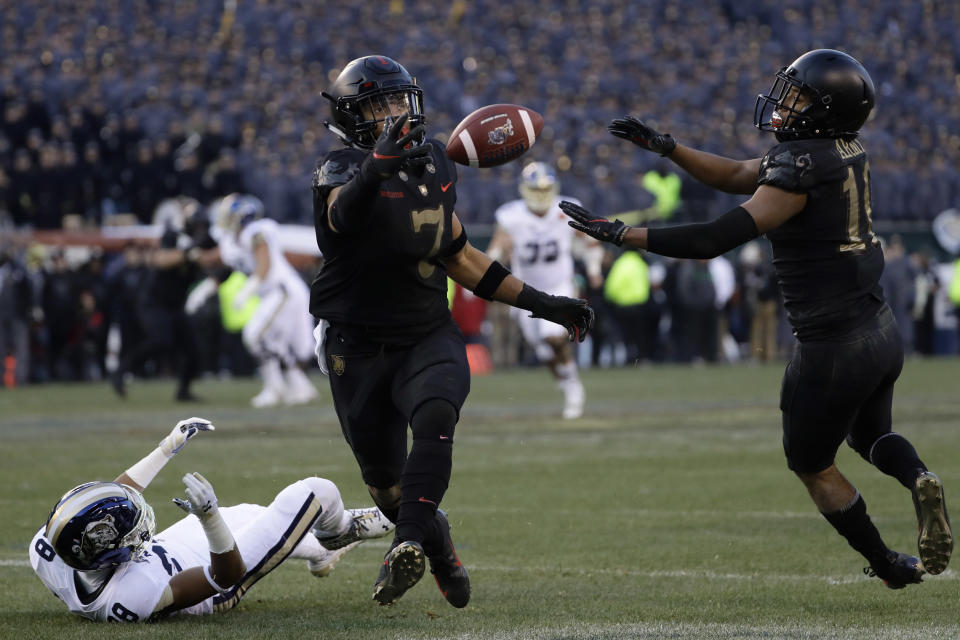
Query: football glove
[[634, 130], [594, 226], [392, 151], [184, 430], [574, 315], [201, 500]]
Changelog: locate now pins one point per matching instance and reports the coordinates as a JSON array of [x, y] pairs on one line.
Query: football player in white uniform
[[280, 332], [533, 235], [99, 555]]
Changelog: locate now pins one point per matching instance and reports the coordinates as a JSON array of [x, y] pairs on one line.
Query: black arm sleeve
[[351, 209], [705, 240]]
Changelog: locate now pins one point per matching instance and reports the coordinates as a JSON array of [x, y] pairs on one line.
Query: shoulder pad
[[799, 165], [337, 168]]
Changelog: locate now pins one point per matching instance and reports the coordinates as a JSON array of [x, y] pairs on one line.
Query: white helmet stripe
[[76, 503]]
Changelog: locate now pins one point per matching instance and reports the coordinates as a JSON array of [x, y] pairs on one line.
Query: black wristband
[[491, 280], [705, 240]]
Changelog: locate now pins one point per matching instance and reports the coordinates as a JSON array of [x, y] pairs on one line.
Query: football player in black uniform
[[810, 195], [385, 222]]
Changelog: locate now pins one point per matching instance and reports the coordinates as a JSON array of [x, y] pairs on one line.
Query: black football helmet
[[100, 524], [365, 82], [838, 92]]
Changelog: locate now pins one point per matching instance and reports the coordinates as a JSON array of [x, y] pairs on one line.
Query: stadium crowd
[[108, 107], [121, 104]]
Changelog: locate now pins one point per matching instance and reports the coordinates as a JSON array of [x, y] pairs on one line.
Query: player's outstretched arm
[[349, 205], [725, 174], [487, 278], [146, 469], [226, 567], [766, 210]]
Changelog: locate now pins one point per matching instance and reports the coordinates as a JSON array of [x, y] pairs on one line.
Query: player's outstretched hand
[[393, 149], [184, 430], [201, 500], [594, 226], [634, 130], [576, 316]]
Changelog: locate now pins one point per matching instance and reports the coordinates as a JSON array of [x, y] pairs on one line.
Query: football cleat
[[266, 398], [364, 524], [935, 540], [897, 570], [402, 568], [451, 576], [322, 567]]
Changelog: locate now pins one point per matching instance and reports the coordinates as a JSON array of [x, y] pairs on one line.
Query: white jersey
[[233, 256], [541, 252], [265, 537], [281, 273], [281, 325]]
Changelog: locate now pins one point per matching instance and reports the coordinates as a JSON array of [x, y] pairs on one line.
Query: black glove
[[634, 130], [393, 151], [576, 316], [594, 226]]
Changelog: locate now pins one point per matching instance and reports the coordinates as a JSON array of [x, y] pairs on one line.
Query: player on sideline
[[810, 194], [385, 223], [534, 233], [279, 334], [98, 553]]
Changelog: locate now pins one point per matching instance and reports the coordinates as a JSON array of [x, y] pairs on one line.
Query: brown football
[[494, 135]]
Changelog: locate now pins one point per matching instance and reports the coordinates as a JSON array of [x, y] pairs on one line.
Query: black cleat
[[897, 570], [935, 541], [451, 576], [402, 568]]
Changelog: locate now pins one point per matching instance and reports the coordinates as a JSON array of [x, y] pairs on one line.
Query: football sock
[[427, 470], [567, 372], [853, 523], [895, 456]]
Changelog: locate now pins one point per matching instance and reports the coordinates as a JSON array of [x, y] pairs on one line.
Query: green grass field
[[666, 512]]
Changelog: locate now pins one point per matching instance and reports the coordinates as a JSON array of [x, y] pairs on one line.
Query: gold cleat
[[935, 541]]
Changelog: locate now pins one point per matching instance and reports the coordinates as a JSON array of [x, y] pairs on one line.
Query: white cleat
[[364, 524], [322, 567], [301, 396], [266, 398]]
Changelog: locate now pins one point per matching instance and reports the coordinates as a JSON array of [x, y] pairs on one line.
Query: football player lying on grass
[[98, 553]]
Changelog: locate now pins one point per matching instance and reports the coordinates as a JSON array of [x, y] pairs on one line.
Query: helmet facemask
[[788, 109], [539, 187], [378, 107]]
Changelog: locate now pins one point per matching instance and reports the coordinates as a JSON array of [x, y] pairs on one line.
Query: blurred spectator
[[898, 281], [694, 326], [759, 301], [15, 308]]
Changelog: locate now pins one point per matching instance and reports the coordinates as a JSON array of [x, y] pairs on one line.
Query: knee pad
[[326, 492], [435, 419]]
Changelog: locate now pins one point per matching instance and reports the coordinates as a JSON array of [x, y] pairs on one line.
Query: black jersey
[[387, 279], [827, 258]]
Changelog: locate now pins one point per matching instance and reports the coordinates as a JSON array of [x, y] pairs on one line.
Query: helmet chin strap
[[340, 133]]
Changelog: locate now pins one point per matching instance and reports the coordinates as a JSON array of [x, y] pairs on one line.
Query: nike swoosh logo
[[377, 156], [422, 499], [444, 187]]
